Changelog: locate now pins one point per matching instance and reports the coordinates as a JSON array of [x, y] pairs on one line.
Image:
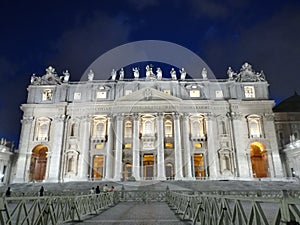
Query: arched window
[[42, 129], [99, 130], [254, 126], [128, 129], [198, 129], [168, 128]]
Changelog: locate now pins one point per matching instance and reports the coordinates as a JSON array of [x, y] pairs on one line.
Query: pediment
[[148, 94]]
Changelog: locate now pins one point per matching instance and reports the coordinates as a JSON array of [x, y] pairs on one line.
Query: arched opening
[[38, 163], [198, 165], [169, 171], [259, 160], [98, 167]]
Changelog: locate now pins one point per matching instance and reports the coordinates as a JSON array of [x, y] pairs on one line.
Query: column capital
[[27, 119], [269, 116], [186, 115], [176, 115], [119, 116], [236, 115], [210, 116], [60, 118], [160, 115], [135, 116]]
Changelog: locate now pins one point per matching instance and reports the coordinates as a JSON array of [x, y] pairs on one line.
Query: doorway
[[98, 167], [148, 162], [259, 160], [38, 163], [198, 166]]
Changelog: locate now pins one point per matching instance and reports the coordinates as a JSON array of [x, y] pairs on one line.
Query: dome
[[291, 104]]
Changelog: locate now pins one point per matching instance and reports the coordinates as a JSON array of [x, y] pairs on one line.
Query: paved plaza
[[135, 213]]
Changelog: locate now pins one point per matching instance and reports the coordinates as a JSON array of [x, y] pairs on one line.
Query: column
[[55, 154], [84, 159], [187, 147], [212, 145], [239, 141], [109, 150], [177, 147], [23, 162], [118, 146], [136, 148]]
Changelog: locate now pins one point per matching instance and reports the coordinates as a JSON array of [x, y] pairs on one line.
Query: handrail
[[219, 208], [53, 209]]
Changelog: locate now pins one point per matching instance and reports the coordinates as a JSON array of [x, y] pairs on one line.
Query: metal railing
[[142, 195], [245, 208], [53, 209]]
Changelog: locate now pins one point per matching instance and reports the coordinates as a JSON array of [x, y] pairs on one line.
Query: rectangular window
[[249, 92], [47, 95], [77, 96], [219, 94], [101, 94], [128, 92], [194, 93], [167, 92]]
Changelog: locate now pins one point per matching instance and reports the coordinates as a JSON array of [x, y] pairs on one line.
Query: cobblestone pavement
[[135, 213]]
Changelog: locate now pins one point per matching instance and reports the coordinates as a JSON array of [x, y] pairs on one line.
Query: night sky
[[72, 34]]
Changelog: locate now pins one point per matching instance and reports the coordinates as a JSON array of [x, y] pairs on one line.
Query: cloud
[[78, 47]]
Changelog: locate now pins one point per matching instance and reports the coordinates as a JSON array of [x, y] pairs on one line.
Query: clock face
[[249, 91]]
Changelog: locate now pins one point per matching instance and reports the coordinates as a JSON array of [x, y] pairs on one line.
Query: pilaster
[[212, 145], [187, 147], [274, 161], [23, 161], [54, 156], [239, 141], [178, 151], [83, 170], [136, 148], [161, 174], [118, 145], [109, 150]]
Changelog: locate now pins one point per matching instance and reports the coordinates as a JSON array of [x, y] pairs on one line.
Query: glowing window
[[194, 93], [77, 96], [249, 92], [101, 94], [169, 145], [167, 92], [219, 94], [99, 146], [47, 95], [127, 145], [128, 92], [198, 145]]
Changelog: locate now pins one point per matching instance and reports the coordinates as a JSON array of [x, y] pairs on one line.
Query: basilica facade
[[148, 127]]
